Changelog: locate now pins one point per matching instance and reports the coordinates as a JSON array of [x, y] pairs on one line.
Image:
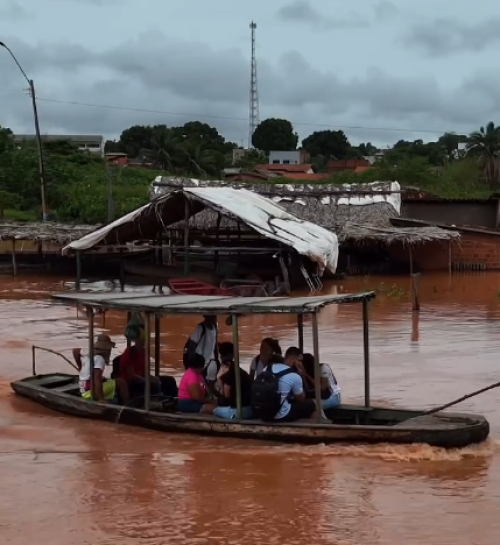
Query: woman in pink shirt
[[193, 392]]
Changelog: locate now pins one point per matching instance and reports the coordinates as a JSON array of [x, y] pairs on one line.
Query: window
[[276, 162], [286, 162]]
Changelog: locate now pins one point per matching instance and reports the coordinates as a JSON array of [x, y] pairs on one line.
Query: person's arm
[[196, 392], [298, 387], [325, 382], [253, 369], [194, 341], [77, 356]]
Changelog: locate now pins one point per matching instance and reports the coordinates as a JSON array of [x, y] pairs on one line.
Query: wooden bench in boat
[[67, 388], [53, 382], [359, 412]]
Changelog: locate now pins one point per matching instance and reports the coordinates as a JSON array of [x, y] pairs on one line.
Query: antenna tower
[[253, 118]]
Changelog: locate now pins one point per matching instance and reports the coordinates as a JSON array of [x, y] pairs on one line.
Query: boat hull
[[452, 430]]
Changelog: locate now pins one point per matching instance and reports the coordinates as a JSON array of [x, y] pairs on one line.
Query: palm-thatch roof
[[339, 208], [52, 232]]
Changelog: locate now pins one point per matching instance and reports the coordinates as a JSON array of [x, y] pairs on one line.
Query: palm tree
[[485, 145], [199, 160], [165, 150]]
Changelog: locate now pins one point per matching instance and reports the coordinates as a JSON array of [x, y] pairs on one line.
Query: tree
[[201, 161], [329, 144], [136, 138], [164, 149], [275, 135], [367, 149], [485, 145]]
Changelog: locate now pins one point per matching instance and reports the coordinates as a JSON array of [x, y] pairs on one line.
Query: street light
[[41, 167]]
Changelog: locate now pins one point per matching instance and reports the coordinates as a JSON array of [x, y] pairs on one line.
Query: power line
[[240, 119]]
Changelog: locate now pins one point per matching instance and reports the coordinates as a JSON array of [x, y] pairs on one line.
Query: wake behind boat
[[349, 423]]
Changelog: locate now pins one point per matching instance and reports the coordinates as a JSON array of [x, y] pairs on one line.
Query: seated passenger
[[268, 347], [204, 341], [330, 389], [278, 392], [133, 364], [227, 407], [193, 390], [105, 389]]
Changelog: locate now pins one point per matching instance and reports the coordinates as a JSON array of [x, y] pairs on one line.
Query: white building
[[84, 142]]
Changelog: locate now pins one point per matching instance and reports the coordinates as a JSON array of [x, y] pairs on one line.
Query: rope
[[463, 398], [57, 354]]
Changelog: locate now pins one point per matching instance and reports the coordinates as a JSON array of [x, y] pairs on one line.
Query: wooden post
[[317, 367], [300, 331], [147, 349], [366, 352], [217, 242], [186, 237], [122, 271], [90, 314], [78, 282], [415, 317], [449, 256], [415, 294], [14, 260], [129, 315], [237, 376], [157, 345], [410, 251]]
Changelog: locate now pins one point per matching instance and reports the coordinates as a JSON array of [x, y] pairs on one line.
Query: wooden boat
[[349, 423], [193, 286]]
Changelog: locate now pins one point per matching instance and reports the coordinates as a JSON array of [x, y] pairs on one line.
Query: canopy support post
[[147, 349], [300, 331], [90, 314], [129, 316], [157, 345], [317, 367], [14, 260], [78, 270], [366, 352], [186, 237], [236, 348]]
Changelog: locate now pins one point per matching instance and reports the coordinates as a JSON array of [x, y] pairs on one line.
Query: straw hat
[[104, 342]]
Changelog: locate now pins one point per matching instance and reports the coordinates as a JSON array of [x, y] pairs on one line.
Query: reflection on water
[[72, 481]]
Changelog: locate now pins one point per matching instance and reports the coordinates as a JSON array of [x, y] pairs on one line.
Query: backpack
[[185, 353], [265, 395]]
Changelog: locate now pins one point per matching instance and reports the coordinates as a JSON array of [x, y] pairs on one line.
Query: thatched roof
[[338, 208], [57, 233]]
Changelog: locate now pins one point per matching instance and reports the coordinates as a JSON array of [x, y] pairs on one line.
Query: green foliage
[[275, 135], [330, 145]]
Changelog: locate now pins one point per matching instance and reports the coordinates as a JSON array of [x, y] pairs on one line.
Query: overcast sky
[[412, 65]]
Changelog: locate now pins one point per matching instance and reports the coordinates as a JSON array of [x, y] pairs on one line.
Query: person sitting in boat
[[105, 389], [330, 389], [194, 395], [132, 368], [268, 347], [227, 407], [278, 392], [203, 341]]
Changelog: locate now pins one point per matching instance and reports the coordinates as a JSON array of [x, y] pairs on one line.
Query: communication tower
[[253, 118]]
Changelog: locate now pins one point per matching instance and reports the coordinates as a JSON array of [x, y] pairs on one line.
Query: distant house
[[90, 143], [347, 165], [296, 157]]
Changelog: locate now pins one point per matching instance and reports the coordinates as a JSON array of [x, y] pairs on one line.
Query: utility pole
[[41, 167]]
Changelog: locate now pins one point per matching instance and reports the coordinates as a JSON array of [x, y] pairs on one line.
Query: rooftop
[[195, 304]]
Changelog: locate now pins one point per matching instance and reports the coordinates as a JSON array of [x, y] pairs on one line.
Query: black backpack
[[265, 396]]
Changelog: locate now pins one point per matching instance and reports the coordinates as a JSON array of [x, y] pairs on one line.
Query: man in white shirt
[[203, 341], [105, 389]]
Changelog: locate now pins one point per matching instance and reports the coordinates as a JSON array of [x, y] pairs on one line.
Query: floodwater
[[68, 481]]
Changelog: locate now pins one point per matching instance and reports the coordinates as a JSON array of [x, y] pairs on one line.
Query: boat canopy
[[260, 214], [209, 304]]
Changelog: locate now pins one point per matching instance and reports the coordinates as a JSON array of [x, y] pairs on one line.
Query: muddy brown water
[[68, 481]]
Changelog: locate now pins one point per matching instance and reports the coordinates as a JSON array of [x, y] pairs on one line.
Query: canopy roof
[[259, 213], [209, 304]]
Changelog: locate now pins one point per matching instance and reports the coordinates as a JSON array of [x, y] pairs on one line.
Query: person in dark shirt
[[227, 377]]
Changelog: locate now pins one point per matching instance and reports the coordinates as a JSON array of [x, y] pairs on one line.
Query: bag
[[265, 395], [186, 356]]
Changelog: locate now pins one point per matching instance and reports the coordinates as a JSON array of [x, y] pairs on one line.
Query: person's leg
[[208, 408], [228, 413], [189, 406], [330, 403], [121, 390], [136, 387]]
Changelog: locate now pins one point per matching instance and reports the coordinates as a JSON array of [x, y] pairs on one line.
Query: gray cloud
[[174, 78], [443, 37], [302, 12], [13, 10]]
